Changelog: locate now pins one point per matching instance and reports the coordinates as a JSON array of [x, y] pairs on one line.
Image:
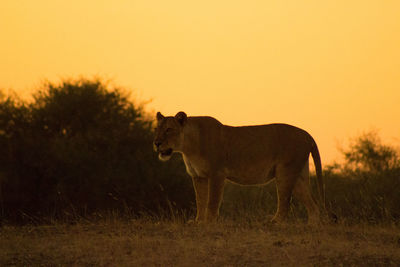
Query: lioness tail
[[318, 169]]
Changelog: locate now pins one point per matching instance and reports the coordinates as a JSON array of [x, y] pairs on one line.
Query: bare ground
[[227, 243]]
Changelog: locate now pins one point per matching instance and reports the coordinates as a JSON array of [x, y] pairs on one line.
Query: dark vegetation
[[79, 149], [83, 149]]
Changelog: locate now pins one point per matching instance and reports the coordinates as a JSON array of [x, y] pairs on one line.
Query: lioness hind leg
[[284, 186], [200, 185], [302, 191]]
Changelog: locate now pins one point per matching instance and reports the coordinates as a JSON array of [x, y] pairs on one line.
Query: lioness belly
[[250, 180], [252, 176]]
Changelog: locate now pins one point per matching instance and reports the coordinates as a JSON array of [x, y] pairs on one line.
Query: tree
[[80, 147], [367, 153], [367, 185]]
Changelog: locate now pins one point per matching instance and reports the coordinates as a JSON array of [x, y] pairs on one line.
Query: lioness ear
[[181, 117], [160, 116]]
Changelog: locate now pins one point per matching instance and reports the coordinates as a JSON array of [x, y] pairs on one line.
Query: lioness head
[[169, 134]]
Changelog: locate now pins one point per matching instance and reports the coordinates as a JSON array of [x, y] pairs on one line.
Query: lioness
[[247, 155]]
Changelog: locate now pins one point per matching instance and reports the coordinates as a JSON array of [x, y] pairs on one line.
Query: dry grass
[[164, 243]]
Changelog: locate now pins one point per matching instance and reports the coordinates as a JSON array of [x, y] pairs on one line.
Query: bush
[[79, 148], [366, 186]]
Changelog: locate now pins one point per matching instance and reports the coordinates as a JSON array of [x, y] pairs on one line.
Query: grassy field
[[146, 242]]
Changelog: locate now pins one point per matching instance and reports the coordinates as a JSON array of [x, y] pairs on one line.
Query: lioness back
[[253, 153]]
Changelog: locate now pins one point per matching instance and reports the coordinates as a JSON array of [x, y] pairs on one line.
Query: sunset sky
[[329, 67]]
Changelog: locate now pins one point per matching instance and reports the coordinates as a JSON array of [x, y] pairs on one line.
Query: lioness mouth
[[167, 152]]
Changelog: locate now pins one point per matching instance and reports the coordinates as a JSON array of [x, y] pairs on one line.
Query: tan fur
[[248, 155]]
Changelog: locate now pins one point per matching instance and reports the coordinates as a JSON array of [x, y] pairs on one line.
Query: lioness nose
[[157, 143]]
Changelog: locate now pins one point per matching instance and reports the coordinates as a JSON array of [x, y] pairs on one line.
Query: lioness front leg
[[200, 185], [215, 192]]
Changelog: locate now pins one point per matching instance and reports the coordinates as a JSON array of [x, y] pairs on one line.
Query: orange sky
[[330, 67]]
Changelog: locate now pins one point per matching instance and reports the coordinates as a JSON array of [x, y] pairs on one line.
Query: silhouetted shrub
[[81, 147], [366, 186], [367, 153]]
